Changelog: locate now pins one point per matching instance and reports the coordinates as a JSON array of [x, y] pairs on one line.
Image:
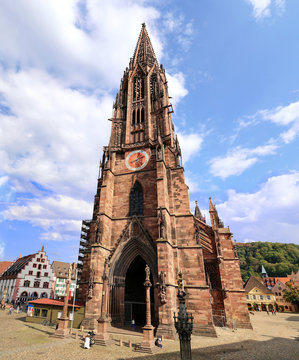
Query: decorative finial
[[143, 25]]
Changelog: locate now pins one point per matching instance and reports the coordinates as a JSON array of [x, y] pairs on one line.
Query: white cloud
[[176, 87], [269, 214], [284, 115], [60, 215], [2, 250], [237, 160], [78, 46], [262, 8], [3, 180], [54, 132], [190, 145], [58, 70], [181, 29]]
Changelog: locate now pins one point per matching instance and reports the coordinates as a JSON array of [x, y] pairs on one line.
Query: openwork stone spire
[[144, 53]]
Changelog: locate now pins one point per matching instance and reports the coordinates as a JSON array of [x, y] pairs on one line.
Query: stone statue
[[162, 225], [181, 292], [147, 273], [91, 283], [98, 232], [162, 287]]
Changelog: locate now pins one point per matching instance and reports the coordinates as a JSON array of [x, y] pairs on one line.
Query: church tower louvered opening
[[142, 216]]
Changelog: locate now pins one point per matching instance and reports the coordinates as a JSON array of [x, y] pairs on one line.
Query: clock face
[[137, 160]]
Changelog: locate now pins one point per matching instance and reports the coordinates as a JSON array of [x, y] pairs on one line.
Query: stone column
[[102, 337], [148, 343], [63, 324]]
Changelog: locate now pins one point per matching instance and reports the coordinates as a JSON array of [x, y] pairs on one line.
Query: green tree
[[291, 295]]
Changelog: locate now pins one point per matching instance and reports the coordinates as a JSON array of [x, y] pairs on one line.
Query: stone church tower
[[142, 216]]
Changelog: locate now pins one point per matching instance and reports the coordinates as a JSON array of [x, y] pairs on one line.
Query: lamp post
[[183, 322]]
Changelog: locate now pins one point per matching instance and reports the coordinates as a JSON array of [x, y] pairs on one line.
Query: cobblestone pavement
[[273, 338]]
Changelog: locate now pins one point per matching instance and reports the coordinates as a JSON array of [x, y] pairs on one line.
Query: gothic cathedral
[[142, 216]]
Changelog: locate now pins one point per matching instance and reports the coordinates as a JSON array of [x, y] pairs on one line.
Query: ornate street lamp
[[183, 322]]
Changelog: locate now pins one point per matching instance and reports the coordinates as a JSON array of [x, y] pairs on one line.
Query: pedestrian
[[18, 309], [10, 311], [267, 311], [158, 342], [87, 342], [133, 323]]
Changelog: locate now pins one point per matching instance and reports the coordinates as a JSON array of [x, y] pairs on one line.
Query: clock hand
[[137, 159]]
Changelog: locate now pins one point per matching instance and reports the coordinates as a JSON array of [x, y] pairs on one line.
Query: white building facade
[[60, 270], [28, 278]]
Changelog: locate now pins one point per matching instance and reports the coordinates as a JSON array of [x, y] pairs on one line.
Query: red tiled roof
[[4, 265], [46, 301]]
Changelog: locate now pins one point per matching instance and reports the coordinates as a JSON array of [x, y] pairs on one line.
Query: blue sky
[[232, 69]]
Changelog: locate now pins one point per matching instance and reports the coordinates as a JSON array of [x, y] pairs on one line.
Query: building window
[[34, 265], [26, 283], [38, 274], [23, 296], [261, 297], [36, 284], [44, 313], [38, 259], [254, 297], [136, 200], [39, 266], [30, 272], [279, 294], [46, 274], [44, 266], [36, 312], [42, 260], [46, 285], [247, 296], [44, 295], [268, 297]]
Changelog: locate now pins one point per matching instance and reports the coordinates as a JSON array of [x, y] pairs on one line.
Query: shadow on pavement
[[293, 318], [274, 349], [41, 330]]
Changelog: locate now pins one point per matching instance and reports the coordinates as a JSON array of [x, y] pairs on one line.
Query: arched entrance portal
[[135, 293], [126, 279]]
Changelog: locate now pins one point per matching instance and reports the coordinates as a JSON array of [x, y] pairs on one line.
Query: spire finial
[[143, 24], [211, 204]]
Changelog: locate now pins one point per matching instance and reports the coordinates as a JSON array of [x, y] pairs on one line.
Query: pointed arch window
[[138, 88], [136, 200]]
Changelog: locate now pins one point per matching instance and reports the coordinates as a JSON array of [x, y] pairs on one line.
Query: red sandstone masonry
[[204, 253]]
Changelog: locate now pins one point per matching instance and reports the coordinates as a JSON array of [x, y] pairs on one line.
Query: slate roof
[[17, 266], [61, 269], [256, 282]]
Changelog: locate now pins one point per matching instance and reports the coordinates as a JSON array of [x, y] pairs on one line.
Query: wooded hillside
[[278, 259]]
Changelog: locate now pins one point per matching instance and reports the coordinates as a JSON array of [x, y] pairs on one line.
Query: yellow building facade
[[258, 296]]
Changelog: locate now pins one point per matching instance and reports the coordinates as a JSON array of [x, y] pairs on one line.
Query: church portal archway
[[126, 278], [135, 293]]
